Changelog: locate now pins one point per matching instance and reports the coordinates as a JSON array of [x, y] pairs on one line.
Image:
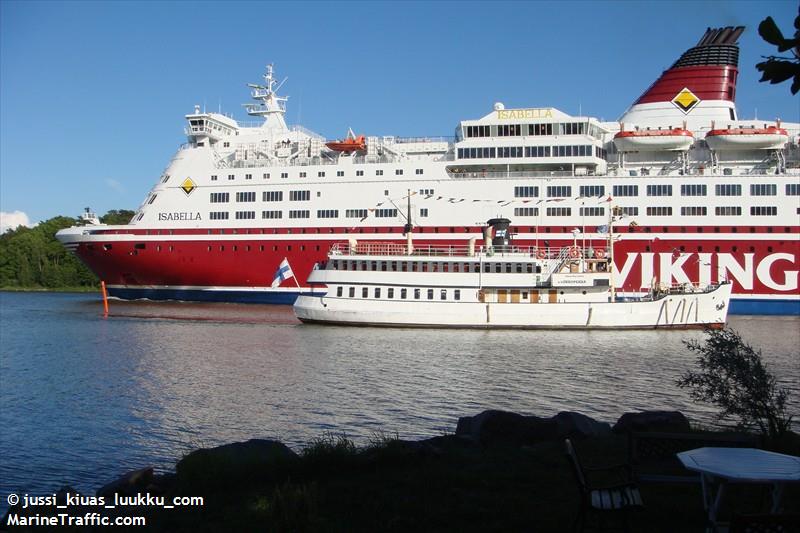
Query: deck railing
[[383, 249]]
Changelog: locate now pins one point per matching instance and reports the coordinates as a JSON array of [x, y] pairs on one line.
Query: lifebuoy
[[575, 252], [541, 253], [600, 254]]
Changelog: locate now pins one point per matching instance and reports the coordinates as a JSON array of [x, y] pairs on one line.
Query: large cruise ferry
[[706, 197]]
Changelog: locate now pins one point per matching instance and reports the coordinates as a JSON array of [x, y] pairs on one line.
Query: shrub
[[733, 377]]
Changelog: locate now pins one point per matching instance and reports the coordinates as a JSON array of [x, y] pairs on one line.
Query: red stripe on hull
[[762, 267]]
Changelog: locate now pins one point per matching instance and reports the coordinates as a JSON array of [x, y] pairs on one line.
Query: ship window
[[764, 210], [592, 211], [248, 176], [340, 173], [403, 293], [763, 189], [793, 189], [339, 291], [508, 268], [728, 190], [266, 176], [443, 295], [352, 292], [498, 268], [559, 191], [418, 172], [365, 292], [430, 294], [230, 176], [423, 212], [694, 211], [416, 294], [377, 292], [379, 172], [284, 175], [213, 177], [693, 190], [526, 191], [359, 172], [487, 267], [734, 210], [659, 211], [320, 174], [659, 190], [626, 190], [302, 174]]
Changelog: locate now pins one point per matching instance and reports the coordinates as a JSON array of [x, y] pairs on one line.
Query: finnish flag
[[283, 273]]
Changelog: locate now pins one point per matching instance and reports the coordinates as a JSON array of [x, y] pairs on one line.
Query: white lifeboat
[[674, 139], [769, 138]]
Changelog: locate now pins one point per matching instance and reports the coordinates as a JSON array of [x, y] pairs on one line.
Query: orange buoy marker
[[105, 298]]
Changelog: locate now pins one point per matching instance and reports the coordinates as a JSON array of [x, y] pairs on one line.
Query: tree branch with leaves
[[777, 69]]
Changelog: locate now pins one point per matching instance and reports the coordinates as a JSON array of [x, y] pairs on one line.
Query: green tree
[[117, 217], [777, 69], [733, 377]]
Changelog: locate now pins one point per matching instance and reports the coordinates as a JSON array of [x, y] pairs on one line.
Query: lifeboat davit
[[350, 144], [675, 139], [769, 138]]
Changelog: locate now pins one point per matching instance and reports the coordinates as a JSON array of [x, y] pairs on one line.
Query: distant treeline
[[32, 258]]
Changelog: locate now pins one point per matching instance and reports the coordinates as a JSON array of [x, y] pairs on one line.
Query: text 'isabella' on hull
[[708, 197]]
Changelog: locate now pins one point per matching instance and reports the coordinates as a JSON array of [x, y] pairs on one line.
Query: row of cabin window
[[403, 293], [756, 210], [516, 130], [320, 174], [655, 211], [530, 151], [565, 191], [305, 213], [424, 266], [275, 196]]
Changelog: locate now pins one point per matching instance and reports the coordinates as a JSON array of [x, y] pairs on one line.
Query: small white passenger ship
[[496, 285]]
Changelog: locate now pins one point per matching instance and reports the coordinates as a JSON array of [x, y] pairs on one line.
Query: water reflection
[[85, 398]]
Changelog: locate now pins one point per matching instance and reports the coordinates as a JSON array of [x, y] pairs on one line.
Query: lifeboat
[[349, 144], [769, 138], [675, 139]]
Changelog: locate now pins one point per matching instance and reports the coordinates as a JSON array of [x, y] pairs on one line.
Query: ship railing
[[401, 140], [554, 256], [511, 174]]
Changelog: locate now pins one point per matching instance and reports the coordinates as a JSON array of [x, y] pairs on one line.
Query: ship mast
[[270, 106], [409, 227]]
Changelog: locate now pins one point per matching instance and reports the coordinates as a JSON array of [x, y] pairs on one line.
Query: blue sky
[[93, 94]]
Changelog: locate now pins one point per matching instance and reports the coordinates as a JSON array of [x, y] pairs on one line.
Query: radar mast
[[270, 106]]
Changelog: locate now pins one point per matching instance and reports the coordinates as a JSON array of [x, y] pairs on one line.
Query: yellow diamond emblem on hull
[[188, 185], [685, 100]]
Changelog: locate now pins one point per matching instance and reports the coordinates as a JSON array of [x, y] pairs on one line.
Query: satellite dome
[[498, 106]]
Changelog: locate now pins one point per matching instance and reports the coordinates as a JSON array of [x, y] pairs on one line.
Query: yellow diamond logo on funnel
[[685, 100], [188, 185]]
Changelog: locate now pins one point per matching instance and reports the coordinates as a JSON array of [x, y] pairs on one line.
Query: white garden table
[[720, 466]]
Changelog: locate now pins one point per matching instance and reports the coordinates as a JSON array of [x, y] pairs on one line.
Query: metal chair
[[604, 499]]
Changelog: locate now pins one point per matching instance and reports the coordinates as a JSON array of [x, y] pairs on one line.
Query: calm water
[[83, 399]]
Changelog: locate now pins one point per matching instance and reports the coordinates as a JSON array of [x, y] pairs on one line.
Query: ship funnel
[[700, 86], [498, 230]]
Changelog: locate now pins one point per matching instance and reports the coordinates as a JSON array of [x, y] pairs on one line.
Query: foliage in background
[[32, 258], [117, 217], [733, 377], [777, 69]]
